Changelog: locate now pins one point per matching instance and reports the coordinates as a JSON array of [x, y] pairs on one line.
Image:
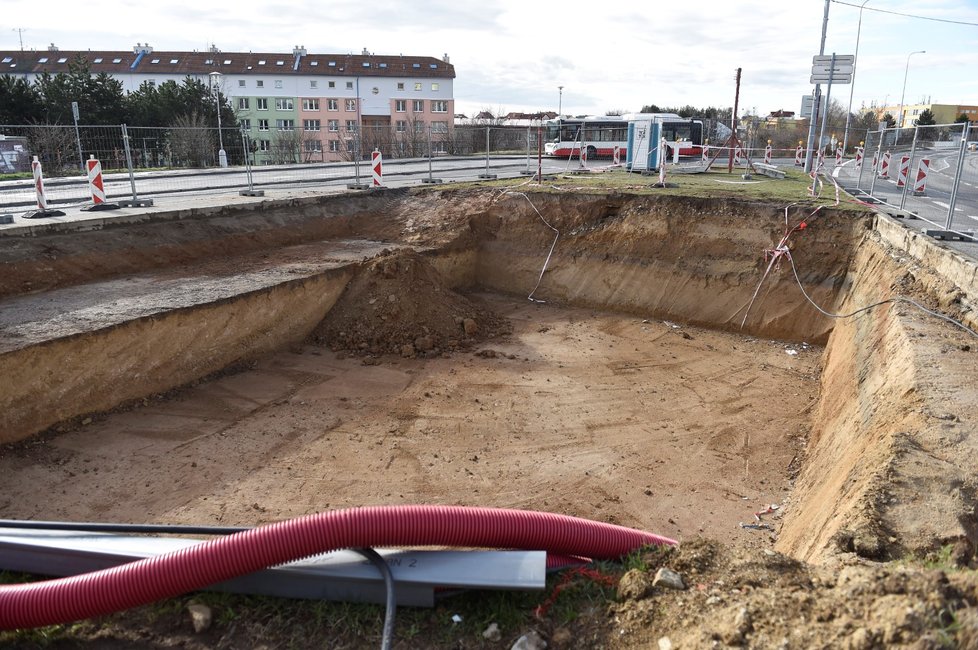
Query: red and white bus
[[599, 135]]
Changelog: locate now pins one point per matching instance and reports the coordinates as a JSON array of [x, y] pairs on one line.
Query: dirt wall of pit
[[889, 469], [693, 260]]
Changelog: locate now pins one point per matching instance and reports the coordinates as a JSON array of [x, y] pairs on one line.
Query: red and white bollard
[[876, 161], [583, 156], [859, 157], [799, 158], [616, 156], [920, 184], [377, 167], [42, 201], [737, 154], [838, 156], [96, 187], [767, 155], [885, 165], [706, 153], [821, 159], [904, 171]]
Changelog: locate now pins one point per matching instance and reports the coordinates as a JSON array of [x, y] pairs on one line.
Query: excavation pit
[[245, 365]]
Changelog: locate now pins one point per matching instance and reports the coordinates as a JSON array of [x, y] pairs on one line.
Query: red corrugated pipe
[[95, 594]]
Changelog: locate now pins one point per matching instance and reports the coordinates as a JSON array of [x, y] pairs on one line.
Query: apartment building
[[316, 102], [943, 113]]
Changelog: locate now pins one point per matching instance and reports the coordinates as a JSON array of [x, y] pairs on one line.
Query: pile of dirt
[[398, 303], [758, 598]]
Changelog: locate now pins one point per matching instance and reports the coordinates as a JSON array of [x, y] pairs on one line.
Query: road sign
[[808, 102], [837, 71], [74, 111], [826, 59], [836, 78]]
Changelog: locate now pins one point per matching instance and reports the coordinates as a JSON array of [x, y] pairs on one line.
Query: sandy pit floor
[[677, 430]]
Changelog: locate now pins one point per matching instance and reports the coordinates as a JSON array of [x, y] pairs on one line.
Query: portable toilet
[[642, 154]]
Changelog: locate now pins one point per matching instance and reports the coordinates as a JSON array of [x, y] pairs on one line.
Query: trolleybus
[[564, 136]]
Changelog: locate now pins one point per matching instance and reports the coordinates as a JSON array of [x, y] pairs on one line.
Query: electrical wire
[[391, 598], [897, 13], [552, 247]]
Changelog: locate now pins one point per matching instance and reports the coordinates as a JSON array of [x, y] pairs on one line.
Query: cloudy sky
[[513, 55]]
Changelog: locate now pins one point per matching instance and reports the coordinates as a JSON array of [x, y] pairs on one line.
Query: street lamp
[[222, 156], [904, 92], [852, 86], [560, 100]]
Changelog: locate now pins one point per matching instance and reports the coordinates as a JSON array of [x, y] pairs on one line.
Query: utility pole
[[818, 95], [20, 34]]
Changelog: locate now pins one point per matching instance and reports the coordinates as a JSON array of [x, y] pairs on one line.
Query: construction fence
[[144, 162]]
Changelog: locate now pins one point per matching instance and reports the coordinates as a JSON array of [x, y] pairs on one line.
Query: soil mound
[[400, 304]]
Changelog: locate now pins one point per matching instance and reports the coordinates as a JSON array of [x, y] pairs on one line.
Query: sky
[[512, 55]]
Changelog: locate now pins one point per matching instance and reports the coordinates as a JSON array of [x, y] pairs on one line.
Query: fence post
[[487, 175], [878, 157], [913, 150], [357, 185], [431, 179], [957, 175], [135, 201], [527, 172], [246, 144]]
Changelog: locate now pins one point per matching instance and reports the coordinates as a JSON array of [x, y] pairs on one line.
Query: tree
[[100, 98], [19, 102], [890, 120], [926, 118], [961, 119]]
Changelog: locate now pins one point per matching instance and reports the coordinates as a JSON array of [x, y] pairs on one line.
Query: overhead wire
[[905, 15]]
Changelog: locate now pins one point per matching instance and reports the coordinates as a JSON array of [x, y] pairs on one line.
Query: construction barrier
[[859, 158], [377, 166], [42, 202], [821, 158], [838, 156], [706, 153], [876, 160], [96, 187], [920, 184], [767, 155], [583, 156], [885, 165], [904, 171], [799, 158], [737, 154], [616, 156]]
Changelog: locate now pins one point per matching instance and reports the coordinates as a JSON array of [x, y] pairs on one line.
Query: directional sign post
[[836, 68]]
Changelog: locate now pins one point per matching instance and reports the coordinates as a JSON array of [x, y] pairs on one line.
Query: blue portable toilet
[[643, 145]]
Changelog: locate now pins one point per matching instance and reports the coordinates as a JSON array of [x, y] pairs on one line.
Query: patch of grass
[[717, 183]]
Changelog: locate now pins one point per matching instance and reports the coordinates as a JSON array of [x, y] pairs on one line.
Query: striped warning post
[[920, 184], [821, 158], [876, 160], [616, 156], [767, 154], [737, 154], [838, 156], [706, 153], [42, 202], [859, 157], [799, 158], [885, 165], [95, 185], [377, 167], [904, 171]]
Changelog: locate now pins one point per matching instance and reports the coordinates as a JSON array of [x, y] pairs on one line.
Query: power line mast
[[20, 34]]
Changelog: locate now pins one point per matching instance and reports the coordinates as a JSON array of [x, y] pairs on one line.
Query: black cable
[[391, 605]]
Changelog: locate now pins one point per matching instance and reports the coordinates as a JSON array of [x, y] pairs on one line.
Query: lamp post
[[222, 156], [560, 100], [852, 86], [904, 92]]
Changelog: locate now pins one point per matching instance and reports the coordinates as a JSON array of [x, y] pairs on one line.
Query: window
[[313, 146], [417, 85], [419, 127], [63, 60], [349, 85], [416, 65], [280, 63], [6, 59], [313, 83], [351, 105], [174, 60], [243, 103], [154, 61], [260, 83], [98, 60], [400, 126], [113, 60], [333, 125], [261, 61], [43, 59], [439, 147], [245, 124], [242, 83], [332, 84], [433, 66], [310, 104], [310, 125], [383, 65], [419, 106], [262, 125], [351, 145], [351, 126], [334, 146], [263, 145], [278, 83], [439, 106], [400, 105], [400, 85], [366, 64], [332, 64], [439, 127], [314, 63], [227, 61], [332, 105], [209, 62], [284, 104], [434, 87], [261, 103], [285, 125]]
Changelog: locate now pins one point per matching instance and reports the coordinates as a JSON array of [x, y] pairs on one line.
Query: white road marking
[[943, 205], [971, 216]]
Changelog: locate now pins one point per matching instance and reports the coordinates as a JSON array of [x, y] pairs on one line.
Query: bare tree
[[190, 142], [54, 146], [286, 147]]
